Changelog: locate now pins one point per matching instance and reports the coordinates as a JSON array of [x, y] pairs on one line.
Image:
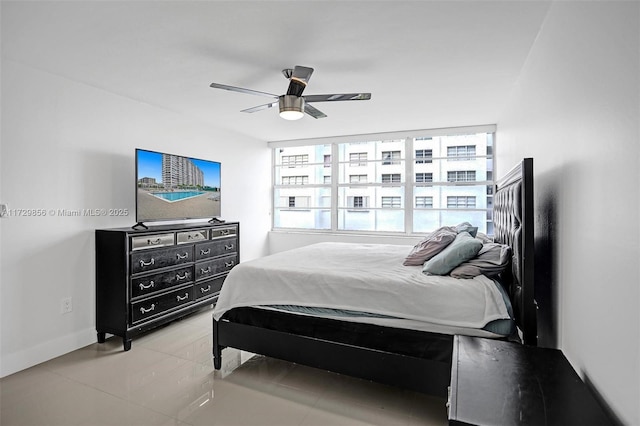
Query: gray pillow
[[463, 248], [484, 238], [491, 260], [430, 246], [467, 227]]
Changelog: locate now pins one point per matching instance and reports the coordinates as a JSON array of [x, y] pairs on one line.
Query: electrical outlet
[[66, 305]]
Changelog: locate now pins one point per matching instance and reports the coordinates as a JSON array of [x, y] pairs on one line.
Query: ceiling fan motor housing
[[291, 106]]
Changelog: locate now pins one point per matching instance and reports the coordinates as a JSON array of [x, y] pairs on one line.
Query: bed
[[383, 324]]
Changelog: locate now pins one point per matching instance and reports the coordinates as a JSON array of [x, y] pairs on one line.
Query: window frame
[[408, 182]]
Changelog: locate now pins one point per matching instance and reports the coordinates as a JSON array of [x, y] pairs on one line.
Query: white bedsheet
[[361, 277]]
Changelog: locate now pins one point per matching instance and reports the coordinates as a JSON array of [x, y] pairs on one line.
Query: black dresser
[[146, 278]]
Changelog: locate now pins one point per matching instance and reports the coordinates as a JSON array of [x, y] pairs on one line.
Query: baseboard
[[18, 361]]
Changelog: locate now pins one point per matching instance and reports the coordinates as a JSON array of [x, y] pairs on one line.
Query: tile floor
[[167, 378]]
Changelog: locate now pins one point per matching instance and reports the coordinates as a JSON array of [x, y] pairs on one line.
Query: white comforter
[[361, 277]]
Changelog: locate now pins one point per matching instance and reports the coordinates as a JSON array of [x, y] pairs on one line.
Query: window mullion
[[335, 176], [408, 185]]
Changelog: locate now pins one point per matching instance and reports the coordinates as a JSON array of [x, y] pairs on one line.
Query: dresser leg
[[102, 337], [126, 343]]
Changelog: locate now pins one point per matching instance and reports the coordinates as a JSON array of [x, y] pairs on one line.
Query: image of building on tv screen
[[176, 187]]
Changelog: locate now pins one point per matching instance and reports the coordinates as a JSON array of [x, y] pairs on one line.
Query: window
[[424, 156], [461, 176], [357, 178], [358, 159], [390, 157], [465, 152], [295, 160], [390, 177], [302, 196], [424, 177], [358, 202], [391, 202], [408, 183], [458, 202], [295, 202], [424, 202], [295, 180]]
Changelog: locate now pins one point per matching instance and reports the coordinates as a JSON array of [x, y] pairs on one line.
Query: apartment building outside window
[[461, 176], [424, 177], [358, 159], [424, 156], [391, 202], [424, 202], [358, 202], [461, 202], [406, 182], [390, 177], [358, 178], [295, 160], [464, 152], [391, 157], [295, 180]]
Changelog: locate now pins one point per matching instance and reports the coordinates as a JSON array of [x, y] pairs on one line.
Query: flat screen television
[[174, 187]]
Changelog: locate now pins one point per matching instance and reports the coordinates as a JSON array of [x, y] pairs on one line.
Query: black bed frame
[[513, 225]]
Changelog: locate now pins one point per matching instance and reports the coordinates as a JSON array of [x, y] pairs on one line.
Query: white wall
[[66, 145], [575, 110]]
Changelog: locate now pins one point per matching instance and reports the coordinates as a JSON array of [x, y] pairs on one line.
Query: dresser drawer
[[152, 241], [156, 282], [192, 236], [224, 231], [214, 267], [148, 308], [149, 260], [221, 247], [204, 289]]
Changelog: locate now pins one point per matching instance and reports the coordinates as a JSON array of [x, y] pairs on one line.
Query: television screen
[[170, 187]]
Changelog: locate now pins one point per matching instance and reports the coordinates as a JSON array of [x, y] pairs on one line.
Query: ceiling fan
[[293, 105]]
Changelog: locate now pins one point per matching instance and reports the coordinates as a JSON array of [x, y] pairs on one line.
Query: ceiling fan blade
[[302, 73], [242, 90], [338, 97], [260, 107], [314, 112], [299, 79]]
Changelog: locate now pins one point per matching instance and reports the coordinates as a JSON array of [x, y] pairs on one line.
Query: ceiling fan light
[[291, 107]]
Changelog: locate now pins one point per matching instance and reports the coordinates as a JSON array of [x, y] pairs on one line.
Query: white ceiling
[[428, 64]]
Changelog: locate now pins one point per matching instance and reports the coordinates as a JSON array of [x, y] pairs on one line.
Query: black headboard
[[513, 225]]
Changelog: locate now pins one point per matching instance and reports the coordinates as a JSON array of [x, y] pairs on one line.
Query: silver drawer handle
[[203, 252], [184, 277], [154, 242], [205, 271], [197, 236], [184, 256], [225, 231], [146, 311], [229, 264], [228, 246], [180, 299], [205, 290], [144, 287], [151, 262]]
